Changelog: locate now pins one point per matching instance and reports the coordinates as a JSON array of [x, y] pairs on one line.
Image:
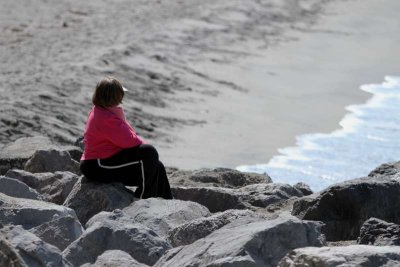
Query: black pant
[[137, 166]]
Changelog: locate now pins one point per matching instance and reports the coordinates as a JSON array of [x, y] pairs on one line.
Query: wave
[[369, 136]]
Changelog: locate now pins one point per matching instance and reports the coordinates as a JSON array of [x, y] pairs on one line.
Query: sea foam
[[369, 136]]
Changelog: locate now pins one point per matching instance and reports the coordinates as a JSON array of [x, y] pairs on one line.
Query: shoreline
[[290, 66], [367, 137]]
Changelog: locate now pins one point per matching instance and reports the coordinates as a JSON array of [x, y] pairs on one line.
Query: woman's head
[[108, 93]]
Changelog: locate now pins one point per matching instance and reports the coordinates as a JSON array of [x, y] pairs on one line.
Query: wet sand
[[212, 83], [297, 87]]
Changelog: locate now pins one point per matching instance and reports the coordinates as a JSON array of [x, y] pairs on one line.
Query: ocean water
[[369, 135]]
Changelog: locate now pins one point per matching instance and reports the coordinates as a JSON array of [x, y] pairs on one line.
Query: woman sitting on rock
[[114, 152]]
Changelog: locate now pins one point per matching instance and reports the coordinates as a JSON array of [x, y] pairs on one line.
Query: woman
[[114, 152]]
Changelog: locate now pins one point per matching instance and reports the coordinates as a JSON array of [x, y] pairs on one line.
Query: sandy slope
[[213, 83]]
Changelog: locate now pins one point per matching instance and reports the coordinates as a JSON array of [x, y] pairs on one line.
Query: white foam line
[[350, 123]]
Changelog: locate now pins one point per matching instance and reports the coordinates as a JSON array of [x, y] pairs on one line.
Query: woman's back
[[107, 133]]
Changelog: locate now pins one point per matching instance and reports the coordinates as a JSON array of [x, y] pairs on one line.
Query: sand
[[212, 83]]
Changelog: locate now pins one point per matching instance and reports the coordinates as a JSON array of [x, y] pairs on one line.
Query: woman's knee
[[149, 152]]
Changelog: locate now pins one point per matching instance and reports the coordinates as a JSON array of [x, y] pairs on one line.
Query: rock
[[17, 153], [162, 215], [191, 231], [301, 205], [379, 233], [33, 251], [214, 198], [260, 243], [59, 232], [349, 256], [88, 198], [218, 177], [15, 188], [345, 206], [74, 151], [51, 161], [263, 195], [30, 213], [9, 256], [116, 230], [386, 169], [304, 188], [115, 258], [248, 197], [54, 187]]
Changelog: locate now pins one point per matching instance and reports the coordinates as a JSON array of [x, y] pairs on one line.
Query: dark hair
[[108, 93]]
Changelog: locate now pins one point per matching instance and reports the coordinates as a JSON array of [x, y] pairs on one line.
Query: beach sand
[[212, 83], [296, 87]]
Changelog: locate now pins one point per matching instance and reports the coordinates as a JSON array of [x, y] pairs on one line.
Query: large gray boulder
[[345, 206], [17, 153], [51, 160], [349, 256], [248, 197], [116, 230], [59, 232], [30, 213], [247, 243], [33, 251], [162, 215], [191, 231], [9, 256], [88, 198], [115, 258], [379, 233], [15, 188], [218, 177], [54, 187]]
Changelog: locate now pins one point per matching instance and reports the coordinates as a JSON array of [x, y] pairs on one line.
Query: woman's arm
[[120, 133]]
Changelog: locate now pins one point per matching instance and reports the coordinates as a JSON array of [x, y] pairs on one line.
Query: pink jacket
[[107, 132]]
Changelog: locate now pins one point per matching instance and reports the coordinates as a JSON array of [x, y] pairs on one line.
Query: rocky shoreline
[[50, 215]]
